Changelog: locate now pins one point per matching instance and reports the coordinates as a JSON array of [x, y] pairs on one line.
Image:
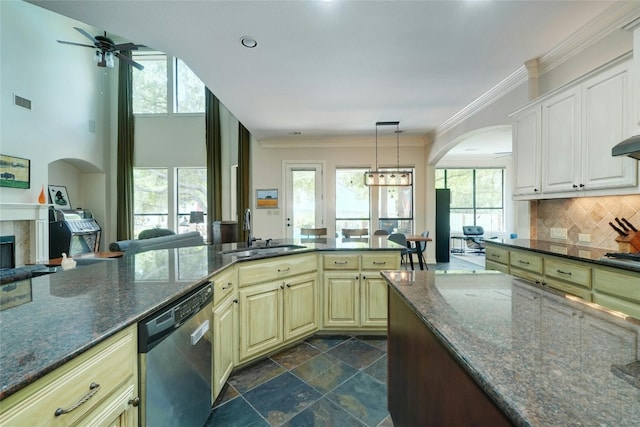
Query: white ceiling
[[334, 68]]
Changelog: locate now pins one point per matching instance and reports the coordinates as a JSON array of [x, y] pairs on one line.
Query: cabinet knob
[[235, 300], [535, 190], [574, 186], [134, 402], [581, 185]]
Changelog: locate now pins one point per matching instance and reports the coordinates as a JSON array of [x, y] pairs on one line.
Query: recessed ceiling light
[[249, 42]]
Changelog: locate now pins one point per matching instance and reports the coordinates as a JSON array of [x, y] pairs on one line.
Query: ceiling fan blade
[[125, 46], [129, 60], [87, 35], [76, 44]]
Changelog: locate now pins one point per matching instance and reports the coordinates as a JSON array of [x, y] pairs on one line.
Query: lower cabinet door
[[117, 411], [341, 300], [260, 308], [373, 300], [300, 306], [225, 343]]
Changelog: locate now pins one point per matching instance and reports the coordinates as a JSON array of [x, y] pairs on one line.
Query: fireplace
[[28, 223], [7, 252]]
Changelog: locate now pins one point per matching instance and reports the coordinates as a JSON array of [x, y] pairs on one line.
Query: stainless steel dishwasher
[[175, 362]]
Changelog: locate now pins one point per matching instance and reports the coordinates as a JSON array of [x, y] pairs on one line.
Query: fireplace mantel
[[38, 217]]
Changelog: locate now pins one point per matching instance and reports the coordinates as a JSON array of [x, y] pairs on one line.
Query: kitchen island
[[60, 316], [485, 348]]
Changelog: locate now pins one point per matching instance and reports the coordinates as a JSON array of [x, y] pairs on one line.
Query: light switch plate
[[558, 233], [584, 238]]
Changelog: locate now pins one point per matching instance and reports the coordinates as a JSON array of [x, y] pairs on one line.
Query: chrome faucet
[[247, 226]]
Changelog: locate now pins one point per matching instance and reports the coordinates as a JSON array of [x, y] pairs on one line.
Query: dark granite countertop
[[66, 313], [544, 359], [575, 252]]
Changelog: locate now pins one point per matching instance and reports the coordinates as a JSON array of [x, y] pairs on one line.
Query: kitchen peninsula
[[65, 316], [491, 349]]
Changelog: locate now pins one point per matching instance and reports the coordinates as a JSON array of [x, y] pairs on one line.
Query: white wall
[[64, 86]]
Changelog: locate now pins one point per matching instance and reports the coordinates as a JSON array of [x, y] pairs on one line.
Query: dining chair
[[401, 239], [422, 246]]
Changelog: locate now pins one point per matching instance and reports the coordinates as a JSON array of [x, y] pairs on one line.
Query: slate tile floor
[[324, 381]]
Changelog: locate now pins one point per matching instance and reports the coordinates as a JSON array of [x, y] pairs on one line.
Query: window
[[477, 197], [352, 200], [395, 208], [188, 90], [192, 197], [149, 90], [150, 199], [153, 85]]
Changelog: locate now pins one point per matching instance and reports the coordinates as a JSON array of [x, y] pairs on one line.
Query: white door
[[304, 201]]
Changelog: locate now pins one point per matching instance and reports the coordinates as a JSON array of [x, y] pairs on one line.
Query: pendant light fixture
[[378, 178]]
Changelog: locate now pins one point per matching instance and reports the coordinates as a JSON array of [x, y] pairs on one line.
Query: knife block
[[630, 243]]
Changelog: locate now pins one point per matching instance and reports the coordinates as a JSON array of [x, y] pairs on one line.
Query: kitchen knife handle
[[620, 232], [630, 225], [620, 223]]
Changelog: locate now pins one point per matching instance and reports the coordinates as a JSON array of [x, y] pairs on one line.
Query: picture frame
[[267, 198], [15, 172], [58, 197]]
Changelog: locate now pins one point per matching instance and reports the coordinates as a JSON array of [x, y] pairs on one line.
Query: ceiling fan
[[106, 49]]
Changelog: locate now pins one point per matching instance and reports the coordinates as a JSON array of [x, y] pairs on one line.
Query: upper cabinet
[[562, 143]]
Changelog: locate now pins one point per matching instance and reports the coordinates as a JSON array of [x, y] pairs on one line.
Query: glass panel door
[[304, 204]]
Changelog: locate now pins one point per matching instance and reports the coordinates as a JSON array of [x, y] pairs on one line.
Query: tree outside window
[[352, 200], [192, 197], [150, 199]]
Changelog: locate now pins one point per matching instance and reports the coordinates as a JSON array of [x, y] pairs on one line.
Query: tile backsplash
[[584, 215]]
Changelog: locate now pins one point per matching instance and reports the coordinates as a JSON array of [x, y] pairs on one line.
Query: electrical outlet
[[558, 233], [586, 238]]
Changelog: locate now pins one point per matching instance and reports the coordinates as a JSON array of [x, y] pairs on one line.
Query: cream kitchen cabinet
[[571, 277], [98, 388], [224, 326], [562, 142], [276, 312], [527, 153], [354, 292], [607, 120], [526, 265], [617, 289], [497, 258]]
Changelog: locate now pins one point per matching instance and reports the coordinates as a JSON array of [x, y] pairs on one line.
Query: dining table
[[415, 239]]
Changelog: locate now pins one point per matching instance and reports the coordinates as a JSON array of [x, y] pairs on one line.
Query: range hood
[[629, 147]]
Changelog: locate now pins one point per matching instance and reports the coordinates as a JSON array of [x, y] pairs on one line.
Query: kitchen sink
[[262, 250]]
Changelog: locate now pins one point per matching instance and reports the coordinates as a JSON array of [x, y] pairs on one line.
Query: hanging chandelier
[[378, 178]]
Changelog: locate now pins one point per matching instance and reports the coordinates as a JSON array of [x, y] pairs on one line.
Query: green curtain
[[214, 161], [243, 181], [124, 167]]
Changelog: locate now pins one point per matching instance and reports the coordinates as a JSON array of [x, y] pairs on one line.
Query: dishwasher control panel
[[159, 325]]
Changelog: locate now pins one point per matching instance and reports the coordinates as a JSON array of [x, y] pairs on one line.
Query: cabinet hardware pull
[[535, 190], [523, 262], [282, 270], [575, 186], [134, 402], [235, 300], [568, 273], [282, 286], [495, 255], [288, 285], [93, 387], [228, 286], [379, 262], [340, 262]]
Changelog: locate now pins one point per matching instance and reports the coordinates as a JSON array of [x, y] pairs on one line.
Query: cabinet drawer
[[490, 265], [496, 254], [341, 262], [525, 274], [276, 268], [568, 288], [526, 261], [574, 273], [381, 261], [618, 304], [621, 284], [224, 284], [110, 365]]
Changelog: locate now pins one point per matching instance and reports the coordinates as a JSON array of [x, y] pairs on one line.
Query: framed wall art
[[15, 172], [58, 197], [267, 199]]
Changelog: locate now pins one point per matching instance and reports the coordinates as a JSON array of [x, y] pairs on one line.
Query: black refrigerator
[[443, 224]]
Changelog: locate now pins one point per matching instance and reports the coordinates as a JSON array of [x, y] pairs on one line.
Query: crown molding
[[619, 15]]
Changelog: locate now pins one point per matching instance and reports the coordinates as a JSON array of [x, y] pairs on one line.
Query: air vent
[[22, 102]]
